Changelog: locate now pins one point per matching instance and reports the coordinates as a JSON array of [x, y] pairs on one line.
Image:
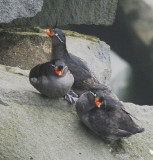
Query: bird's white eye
[[93, 93], [53, 65], [65, 67], [58, 37]]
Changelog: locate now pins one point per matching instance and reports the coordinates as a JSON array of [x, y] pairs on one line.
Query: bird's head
[[60, 68], [97, 99], [57, 36]]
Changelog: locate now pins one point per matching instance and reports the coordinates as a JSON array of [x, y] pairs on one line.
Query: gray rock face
[[63, 12], [12, 9], [27, 49], [35, 127], [121, 78]]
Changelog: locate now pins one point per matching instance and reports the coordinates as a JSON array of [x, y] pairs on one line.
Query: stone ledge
[[33, 126]]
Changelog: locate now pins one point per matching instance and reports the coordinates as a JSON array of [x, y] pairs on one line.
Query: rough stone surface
[[63, 12], [27, 49], [12, 9], [35, 127]]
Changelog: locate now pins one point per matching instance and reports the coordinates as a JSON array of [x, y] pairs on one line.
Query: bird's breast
[[55, 87]]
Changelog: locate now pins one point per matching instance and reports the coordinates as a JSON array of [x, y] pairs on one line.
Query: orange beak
[[98, 104], [59, 72], [48, 33]]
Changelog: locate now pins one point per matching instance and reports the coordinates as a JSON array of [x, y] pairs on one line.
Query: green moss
[[39, 31], [75, 34]]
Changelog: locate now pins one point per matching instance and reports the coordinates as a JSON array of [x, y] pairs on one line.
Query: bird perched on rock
[[83, 78], [52, 79], [105, 116]]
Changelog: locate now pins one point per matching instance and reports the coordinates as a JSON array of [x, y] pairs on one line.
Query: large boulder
[[63, 12], [36, 127], [12, 9], [27, 49]]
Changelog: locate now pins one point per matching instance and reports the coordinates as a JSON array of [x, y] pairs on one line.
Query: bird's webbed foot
[[73, 94], [69, 98]]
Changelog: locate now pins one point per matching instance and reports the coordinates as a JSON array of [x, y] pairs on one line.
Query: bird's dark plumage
[[111, 122], [52, 79], [83, 78]]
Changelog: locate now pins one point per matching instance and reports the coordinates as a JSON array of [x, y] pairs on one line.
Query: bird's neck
[[59, 52]]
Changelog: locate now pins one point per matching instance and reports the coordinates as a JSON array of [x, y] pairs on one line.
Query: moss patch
[[39, 31]]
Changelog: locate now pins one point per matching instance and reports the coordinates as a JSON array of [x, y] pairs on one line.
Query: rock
[[12, 9], [36, 127], [63, 12], [121, 78], [27, 49], [15, 70], [24, 49]]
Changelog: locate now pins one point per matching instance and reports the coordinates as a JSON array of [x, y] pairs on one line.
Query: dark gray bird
[[105, 116], [83, 78], [52, 79]]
